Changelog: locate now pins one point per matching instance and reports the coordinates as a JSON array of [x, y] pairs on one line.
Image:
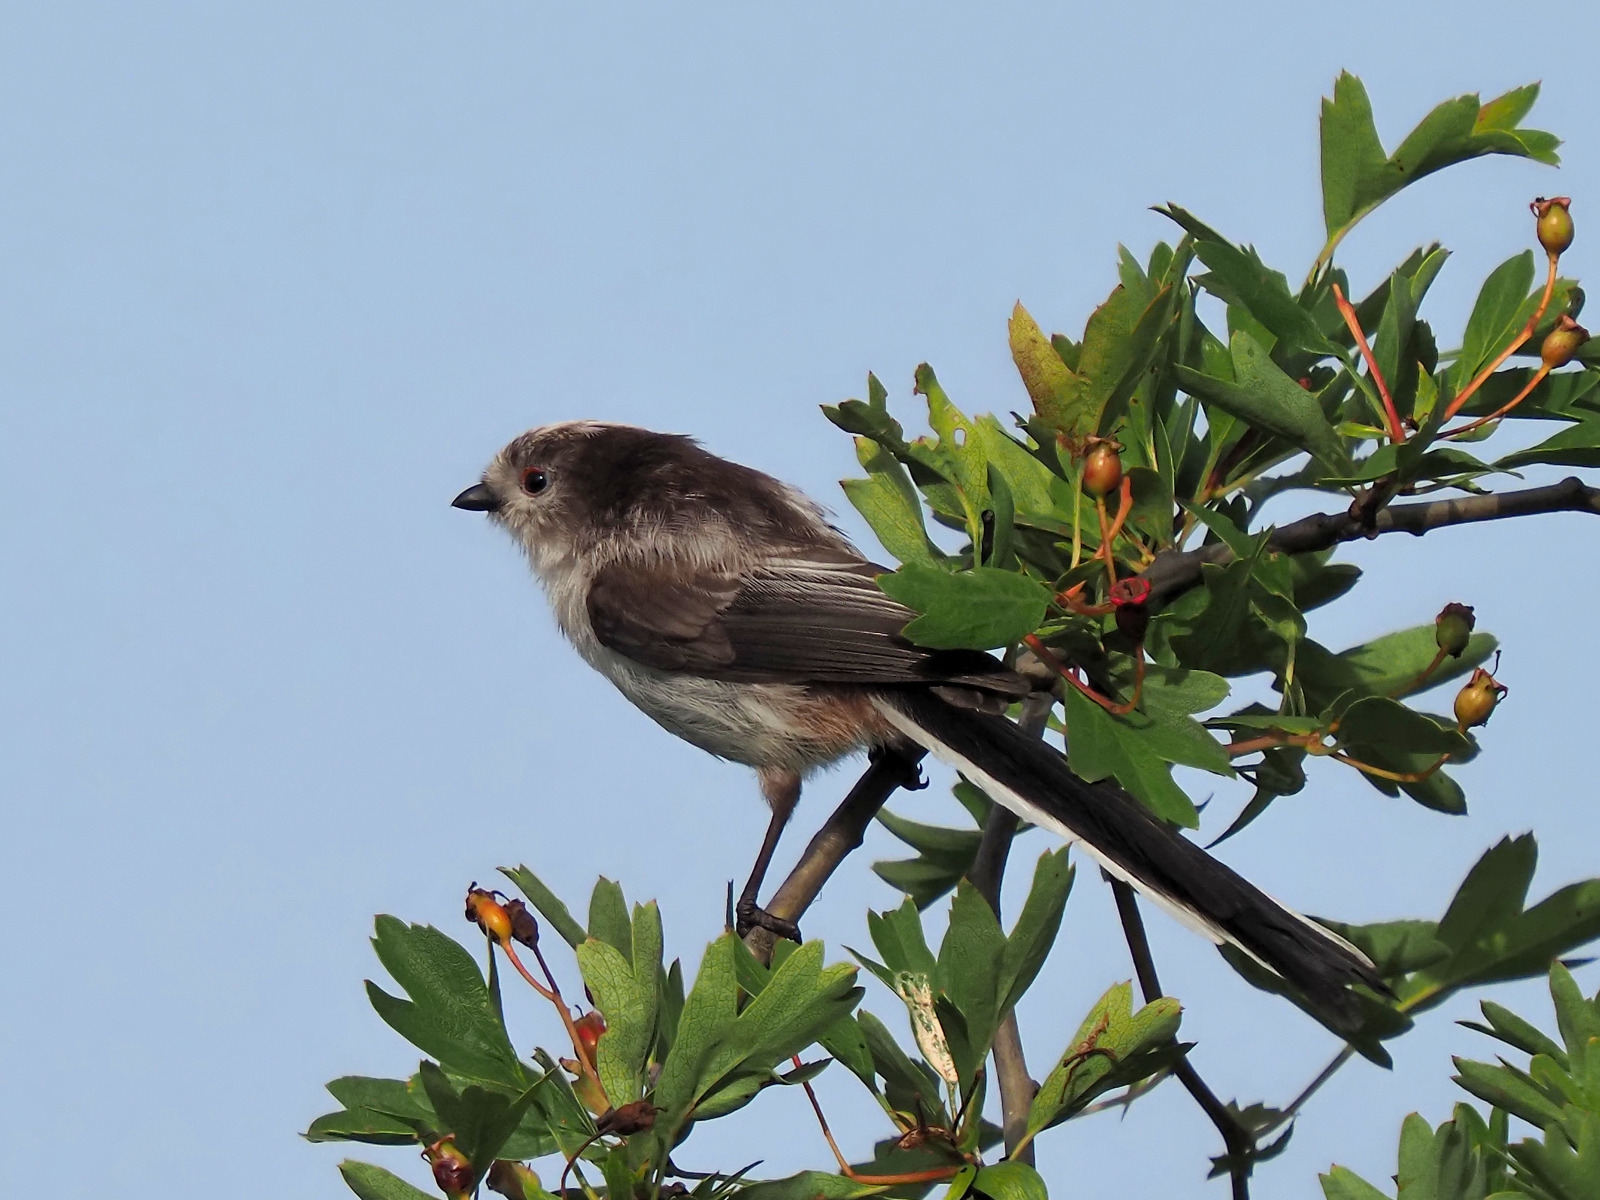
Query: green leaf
[[1357, 176], [361, 1124], [1564, 1167], [626, 995], [1052, 385], [374, 1183], [1382, 722], [619, 1178], [381, 1112], [1352, 155], [899, 938], [808, 1185], [1383, 666], [479, 1120], [922, 880], [846, 1042], [1103, 746], [1239, 277], [1265, 398], [450, 1014], [1577, 1018], [1010, 1181], [1000, 522], [1112, 1044], [734, 1092], [888, 500], [1492, 937], [550, 908], [1396, 948], [1494, 317], [566, 1120], [969, 975], [608, 917], [1514, 1031], [933, 841], [909, 1086], [1136, 749], [1341, 1183], [1575, 446], [1037, 925], [1492, 893], [1509, 1089], [1229, 534], [708, 1017], [979, 609]]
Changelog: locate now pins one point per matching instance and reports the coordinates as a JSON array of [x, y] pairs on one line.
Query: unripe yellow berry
[[1554, 223], [1561, 344]]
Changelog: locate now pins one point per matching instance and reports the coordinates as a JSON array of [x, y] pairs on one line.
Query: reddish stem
[[1047, 656], [1397, 432], [1527, 332], [1538, 377]]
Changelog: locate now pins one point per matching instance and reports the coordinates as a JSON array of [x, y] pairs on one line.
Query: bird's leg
[[781, 788]]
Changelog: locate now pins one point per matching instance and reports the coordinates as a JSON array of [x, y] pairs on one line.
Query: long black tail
[[1035, 782]]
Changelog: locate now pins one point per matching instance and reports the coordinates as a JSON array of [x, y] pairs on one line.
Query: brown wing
[[798, 621]]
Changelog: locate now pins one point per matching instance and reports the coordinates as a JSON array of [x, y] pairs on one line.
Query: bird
[[724, 604]]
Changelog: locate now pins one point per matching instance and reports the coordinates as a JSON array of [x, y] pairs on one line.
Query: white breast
[[756, 724]]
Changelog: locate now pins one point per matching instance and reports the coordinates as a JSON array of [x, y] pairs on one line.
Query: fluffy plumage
[[723, 604]]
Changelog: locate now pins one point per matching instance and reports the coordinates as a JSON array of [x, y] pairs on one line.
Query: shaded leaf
[[374, 1183], [980, 609]]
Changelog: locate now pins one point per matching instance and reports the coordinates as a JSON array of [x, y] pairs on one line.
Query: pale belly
[[772, 725]]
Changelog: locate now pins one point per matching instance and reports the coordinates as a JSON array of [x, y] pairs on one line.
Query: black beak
[[477, 498]]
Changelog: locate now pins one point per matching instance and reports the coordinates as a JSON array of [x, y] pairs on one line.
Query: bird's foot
[[910, 772], [749, 915]]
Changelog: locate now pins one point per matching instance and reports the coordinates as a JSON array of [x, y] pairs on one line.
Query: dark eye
[[534, 481]]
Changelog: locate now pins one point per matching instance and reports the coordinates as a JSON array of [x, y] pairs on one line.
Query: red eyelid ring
[[535, 476]]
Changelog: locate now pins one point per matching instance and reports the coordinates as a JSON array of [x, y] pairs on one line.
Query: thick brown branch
[[834, 841], [988, 869], [1175, 571]]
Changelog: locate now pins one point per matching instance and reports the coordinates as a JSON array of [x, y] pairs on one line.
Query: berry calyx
[[514, 1180], [524, 928], [1452, 628], [1130, 606], [452, 1171], [1102, 469], [1562, 343], [488, 914], [1554, 223], [1477, 699]]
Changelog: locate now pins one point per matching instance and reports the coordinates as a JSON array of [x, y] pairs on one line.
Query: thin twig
[[988, 869], [553, 994], [1294, 1106], [1237, 1140], [932, 1175], [843, 832]]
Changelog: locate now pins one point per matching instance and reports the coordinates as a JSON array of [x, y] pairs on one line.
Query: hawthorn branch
[[1176, 571], [844, 831], [1235, 1138], [988, 869]]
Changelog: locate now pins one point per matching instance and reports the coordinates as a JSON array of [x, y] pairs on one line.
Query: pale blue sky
[[279, 282]]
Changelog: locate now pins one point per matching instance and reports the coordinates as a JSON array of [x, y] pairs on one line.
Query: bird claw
[[911, 777], [749, 915]]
